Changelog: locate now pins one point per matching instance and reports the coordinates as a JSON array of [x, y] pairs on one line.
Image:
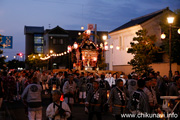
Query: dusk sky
[[71, 15]]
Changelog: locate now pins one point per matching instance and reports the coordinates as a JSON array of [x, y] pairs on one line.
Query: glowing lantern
[[69, 48], [75, 45], [163, 36], [106, 47], [95, 59]]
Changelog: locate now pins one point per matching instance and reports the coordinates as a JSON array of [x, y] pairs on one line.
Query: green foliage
[[143, 48], [2, 59], [101, 62], [175, 37], [14, 64], [34, 61]]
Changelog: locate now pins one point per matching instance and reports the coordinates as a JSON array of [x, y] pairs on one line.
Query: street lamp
[[104, 37], [51, 51], [170, 21]]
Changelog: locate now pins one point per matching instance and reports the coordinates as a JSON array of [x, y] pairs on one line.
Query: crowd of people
[[100, 93]]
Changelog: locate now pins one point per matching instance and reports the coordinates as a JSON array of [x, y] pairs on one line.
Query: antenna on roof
[[49, 26]]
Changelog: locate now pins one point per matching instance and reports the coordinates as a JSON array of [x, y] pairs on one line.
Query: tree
[[2, 59], [35, 62], [175, 38], [143, 48], [101, 60]]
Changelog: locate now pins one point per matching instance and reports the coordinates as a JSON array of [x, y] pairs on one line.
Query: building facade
[[122, 36], [40, 41]]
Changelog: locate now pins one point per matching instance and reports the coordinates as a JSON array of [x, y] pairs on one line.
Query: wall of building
[[121, 57], [163, 68], [29, 44]]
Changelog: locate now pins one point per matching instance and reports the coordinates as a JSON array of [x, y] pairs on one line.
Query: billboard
[[6, 42]]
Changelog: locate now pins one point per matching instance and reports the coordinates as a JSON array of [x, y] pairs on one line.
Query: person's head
[[114, 75], [82, 74], [154, 81], [95, 84], [158, 73], [177, 79], [102, 76], [178, 82], [91, 80], [60, 73], [55, 75], [141, 83], [165, 78], [71, 77], [56, 95], [176, 73], [119, 83]]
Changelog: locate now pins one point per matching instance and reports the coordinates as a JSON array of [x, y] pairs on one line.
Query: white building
[[122, 36]]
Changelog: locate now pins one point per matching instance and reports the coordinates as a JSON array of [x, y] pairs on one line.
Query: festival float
[[84, 55]]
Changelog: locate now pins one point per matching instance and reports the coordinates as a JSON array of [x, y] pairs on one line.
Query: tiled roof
[[139, 20], [57, 30], [33, 29]]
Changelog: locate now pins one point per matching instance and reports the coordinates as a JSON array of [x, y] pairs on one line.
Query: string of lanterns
[[54, 55]]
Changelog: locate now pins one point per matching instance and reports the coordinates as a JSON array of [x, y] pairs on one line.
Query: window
[[38, 49], [54, 41], [121, 43], [38, 39], [38, 43], [57, 41], [61, 41]]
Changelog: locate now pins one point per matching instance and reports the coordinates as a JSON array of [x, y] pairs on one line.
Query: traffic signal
[[19, 54]]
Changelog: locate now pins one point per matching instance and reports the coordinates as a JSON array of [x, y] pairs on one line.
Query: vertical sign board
[[6, 42], [91, 27]]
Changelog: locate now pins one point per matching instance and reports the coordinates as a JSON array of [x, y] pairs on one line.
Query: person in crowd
[[60, 76], [1, 91], [163, 88], [44, 78], [174, 88], [65, 78], [69, 90], [58, 110], [113, 79], [118, 99], [132, 84], [22, 79], [176, 73], [54, 83], [151, 93], [96, 98], [148, 93], [104, 85], [38, 75], [18, 88], [138, 101], [11, 87], [108, 79], [90, 85], [76, 80], [32, 94], [82, 88]]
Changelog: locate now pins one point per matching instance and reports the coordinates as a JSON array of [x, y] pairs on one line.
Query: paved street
[[15, 111]]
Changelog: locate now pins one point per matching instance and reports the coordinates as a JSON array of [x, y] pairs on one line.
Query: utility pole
[[95, 30]]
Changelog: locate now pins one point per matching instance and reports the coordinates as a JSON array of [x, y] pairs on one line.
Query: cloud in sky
[[72, 14]]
